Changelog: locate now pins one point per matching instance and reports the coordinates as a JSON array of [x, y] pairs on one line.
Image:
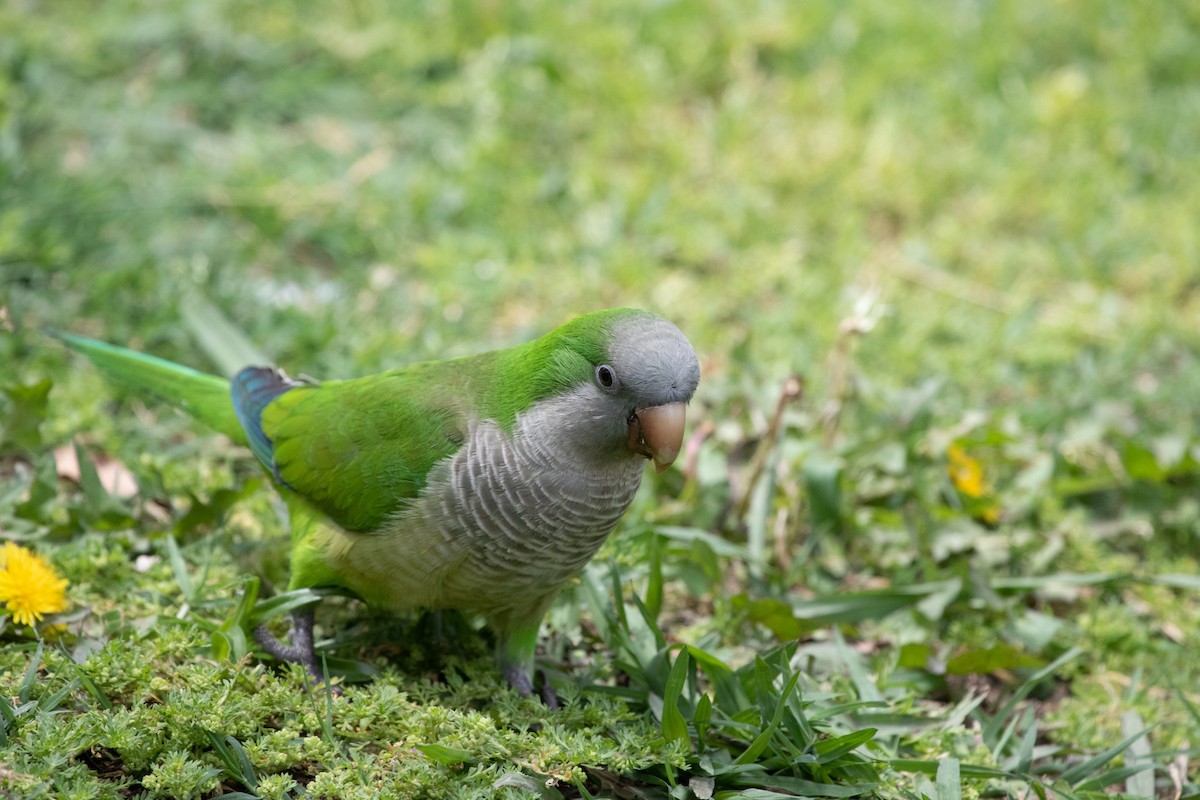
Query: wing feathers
[[253, 389]]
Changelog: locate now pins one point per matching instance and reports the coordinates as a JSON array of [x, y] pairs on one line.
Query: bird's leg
[[301, 650], [516, 649]]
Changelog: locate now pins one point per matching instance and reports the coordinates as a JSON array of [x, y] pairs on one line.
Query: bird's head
[[648, 378], [625, 378]]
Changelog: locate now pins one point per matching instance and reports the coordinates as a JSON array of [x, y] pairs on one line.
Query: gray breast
[[517, 515]]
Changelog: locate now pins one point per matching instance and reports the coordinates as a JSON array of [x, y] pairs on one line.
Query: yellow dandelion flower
[[29, 585], [965, 472]]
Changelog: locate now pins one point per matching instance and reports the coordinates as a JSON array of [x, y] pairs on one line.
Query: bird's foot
[[549, 696], [302, 650], [520, 679]]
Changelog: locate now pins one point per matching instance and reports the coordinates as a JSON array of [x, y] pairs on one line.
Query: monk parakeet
[[482, 483]]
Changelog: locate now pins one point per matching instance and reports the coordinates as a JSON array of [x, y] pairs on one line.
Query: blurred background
[[1011, 182], [970, 228]]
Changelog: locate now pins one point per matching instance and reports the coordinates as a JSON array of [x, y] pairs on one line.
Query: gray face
[[649, 363]]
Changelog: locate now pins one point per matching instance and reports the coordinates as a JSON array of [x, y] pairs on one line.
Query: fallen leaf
[[114, 476], [1173, 632], [145, 562], [1178, 770]]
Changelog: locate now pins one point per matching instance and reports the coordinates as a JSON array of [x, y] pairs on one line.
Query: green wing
[[357, 449]]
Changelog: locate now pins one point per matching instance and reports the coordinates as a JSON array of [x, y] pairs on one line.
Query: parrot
[[482, 483]]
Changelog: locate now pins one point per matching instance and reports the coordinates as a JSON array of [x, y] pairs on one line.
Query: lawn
[[936, 533]]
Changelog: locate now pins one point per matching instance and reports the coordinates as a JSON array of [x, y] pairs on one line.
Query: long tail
[[205, 397]]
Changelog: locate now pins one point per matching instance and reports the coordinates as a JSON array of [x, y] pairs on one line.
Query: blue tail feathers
[[253, 389]]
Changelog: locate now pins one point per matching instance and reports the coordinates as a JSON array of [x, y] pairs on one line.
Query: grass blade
[[994, 725], [1084, 769], [965, 770], [674, 726], [223, 341], [179, 568], [1140, 784], [1025, 754], [949, 785], [447, 755], [654, 583], [760, 742], [233, 756], [285, 603], [27, 683], [832, 749]]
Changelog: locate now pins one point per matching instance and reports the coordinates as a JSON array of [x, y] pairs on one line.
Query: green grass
[[969, 230]]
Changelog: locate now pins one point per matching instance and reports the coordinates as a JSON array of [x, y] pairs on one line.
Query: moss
[[177, 775]]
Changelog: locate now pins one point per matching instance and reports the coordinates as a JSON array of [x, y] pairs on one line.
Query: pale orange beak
[[657, 433]]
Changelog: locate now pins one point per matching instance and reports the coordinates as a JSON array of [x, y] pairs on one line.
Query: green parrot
[[482, 483]]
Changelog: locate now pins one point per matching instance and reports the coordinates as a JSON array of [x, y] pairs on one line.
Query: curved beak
[[657, 433]]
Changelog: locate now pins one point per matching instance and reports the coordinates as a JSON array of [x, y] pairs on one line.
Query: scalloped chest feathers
[[502, 524]]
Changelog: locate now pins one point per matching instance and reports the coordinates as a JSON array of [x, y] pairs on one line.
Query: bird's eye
[[605, 376]]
